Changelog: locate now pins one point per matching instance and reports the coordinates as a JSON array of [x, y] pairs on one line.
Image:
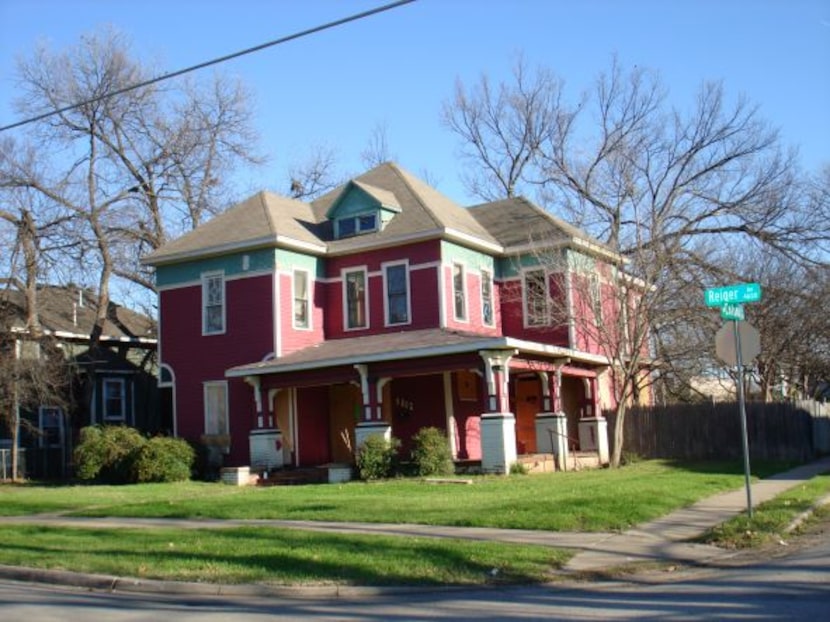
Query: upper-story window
[[355, 298], [487, 316], [114, 400], [459, 292], [396, 285], [355, 225], [301, 299], [536, 298], [213, 304], [596, 299]]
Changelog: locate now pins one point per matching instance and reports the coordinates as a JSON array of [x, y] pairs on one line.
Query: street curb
[[799, 520], [106, 583]]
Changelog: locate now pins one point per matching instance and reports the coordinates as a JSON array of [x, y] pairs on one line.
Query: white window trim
[[309, 288], [40, 416], [384, 268], [123, 391], [205, 386], [345, 272], [466, 314], [205, 278], [487, 275], [525, 311]]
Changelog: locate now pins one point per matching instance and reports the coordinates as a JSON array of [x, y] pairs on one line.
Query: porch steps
[[293, 476]]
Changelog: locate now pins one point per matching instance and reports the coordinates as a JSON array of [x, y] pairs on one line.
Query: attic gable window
[[355, 225]]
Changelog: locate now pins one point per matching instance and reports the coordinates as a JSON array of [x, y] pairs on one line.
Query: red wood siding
[[196, 359], [313, 426], [417, 402], [512, 313], [422, 289]]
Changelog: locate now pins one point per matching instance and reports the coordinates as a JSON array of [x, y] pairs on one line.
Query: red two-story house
[[289, 331]]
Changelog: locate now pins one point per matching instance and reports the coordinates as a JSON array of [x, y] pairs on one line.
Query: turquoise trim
[[512, 267], [232, 265], [473, 260], [288, 261]]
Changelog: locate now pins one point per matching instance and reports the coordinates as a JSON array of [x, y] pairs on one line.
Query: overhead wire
[[215, 61]]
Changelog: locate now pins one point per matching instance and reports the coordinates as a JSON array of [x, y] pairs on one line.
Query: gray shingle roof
[[71, 311]]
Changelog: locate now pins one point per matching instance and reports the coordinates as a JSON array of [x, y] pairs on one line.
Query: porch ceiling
[[403, 345]]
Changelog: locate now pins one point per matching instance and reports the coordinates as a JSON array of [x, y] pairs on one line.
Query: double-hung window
[[355, 298], [459, 292], [487, 317], [213, 304], [301, 299], [536, 298], [114, 400], [396, 283]]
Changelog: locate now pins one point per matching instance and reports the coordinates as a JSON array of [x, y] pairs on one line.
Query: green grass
[[599, 500], [770, 519], [272, 556]]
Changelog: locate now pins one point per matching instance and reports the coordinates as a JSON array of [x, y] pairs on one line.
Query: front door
[[528, 404], [345, 408]]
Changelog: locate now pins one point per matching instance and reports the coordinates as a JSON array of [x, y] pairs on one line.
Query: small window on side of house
[[355, 298], [396, 279], [536, 298], [213, 304], [301, 299], [459, 292], [487, 316], [114, 400]]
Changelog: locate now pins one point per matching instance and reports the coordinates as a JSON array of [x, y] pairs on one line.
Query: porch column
[[552, 423], [265, 440], [593, 428], [498, 426], [372, 392]]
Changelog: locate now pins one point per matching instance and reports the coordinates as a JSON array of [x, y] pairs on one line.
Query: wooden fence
[[713, 431]]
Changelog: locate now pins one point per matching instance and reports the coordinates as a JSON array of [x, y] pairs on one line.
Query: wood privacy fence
[[775, 431]]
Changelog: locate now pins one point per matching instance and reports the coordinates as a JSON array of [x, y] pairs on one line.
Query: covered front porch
[[497, 399]]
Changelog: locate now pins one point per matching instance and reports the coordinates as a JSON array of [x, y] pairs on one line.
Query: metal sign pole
[[742, 413]]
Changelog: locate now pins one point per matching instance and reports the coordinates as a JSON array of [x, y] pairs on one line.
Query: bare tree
[[376, 151], [503, 127], [658, 185], [134, 169], [315, 175]]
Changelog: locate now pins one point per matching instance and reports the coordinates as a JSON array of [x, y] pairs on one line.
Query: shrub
[[376, 457], [517, 468], [163, 459], [431, 453], [106, 453]]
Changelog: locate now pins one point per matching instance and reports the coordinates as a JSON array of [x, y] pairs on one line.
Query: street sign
[[750, 340], [734, 294], [732, 312]]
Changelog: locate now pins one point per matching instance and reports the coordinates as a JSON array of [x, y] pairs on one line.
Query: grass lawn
[[272, 556], [597, 500], [587, 500], [770, 519]]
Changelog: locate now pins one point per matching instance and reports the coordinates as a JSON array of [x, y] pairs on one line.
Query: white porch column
[[498, 427], [552, 437], [372, 423], [264, 441]]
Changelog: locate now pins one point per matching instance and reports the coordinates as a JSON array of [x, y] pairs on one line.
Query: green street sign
[[732, 312], [732, 294]]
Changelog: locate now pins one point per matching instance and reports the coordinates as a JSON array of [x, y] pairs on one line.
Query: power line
[[215, 61]]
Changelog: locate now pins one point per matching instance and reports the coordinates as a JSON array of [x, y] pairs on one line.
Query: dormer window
[[362, 209], [355, 225]]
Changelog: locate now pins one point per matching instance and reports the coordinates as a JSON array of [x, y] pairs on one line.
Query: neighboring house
[[290, 331], [114, 383]]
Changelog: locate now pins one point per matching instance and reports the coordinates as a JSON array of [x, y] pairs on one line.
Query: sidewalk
[[664, 539]]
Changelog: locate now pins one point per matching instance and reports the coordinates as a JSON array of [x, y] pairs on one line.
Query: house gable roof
[[261, 220], [69, 312], [517, 224]]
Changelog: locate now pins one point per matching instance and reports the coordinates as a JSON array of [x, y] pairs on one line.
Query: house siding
[[196, 359]]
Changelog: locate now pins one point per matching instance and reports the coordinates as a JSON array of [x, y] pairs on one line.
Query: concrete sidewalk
[[667, 538], [664, 539]]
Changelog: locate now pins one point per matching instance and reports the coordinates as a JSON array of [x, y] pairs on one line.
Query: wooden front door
[[528, 405], [345, 409]]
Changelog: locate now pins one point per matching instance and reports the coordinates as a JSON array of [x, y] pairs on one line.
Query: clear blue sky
[[395, 69]]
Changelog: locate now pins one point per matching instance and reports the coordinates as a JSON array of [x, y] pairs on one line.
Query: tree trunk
[[619, 427]]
